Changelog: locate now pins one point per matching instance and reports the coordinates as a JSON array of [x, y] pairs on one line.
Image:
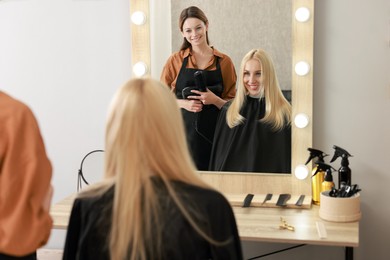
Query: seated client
[[151, 204], [253, 132]]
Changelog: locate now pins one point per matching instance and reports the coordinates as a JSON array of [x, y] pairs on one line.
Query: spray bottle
[[344, 171], [317, 176], [328, 183]]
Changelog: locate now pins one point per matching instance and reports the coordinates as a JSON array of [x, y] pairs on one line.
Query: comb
[[300, 200], [248, 200], [282, 200], [267, 198]]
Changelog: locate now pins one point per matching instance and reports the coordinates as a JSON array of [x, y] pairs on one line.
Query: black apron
[[200, 126]]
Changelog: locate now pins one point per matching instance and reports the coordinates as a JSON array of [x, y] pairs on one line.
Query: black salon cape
[[89, 226], [252, 146]]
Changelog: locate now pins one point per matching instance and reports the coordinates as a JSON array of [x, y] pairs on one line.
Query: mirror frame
[[302, 102]]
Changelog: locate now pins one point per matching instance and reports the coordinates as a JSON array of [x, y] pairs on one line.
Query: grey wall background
[[66, 58], [236, 27]]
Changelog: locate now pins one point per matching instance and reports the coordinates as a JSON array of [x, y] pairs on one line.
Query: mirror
[[154, 48]]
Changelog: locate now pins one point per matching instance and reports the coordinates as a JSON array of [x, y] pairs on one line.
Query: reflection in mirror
[[236, 27], [302, 50], [254, 133]]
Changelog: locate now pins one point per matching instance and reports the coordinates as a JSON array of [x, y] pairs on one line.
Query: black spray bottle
[[317, 176], [344, 171]]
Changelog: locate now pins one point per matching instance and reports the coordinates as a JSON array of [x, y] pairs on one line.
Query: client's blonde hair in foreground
[[144, 137]]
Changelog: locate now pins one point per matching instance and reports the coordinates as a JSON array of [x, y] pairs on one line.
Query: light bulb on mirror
[[302, 14], [140, 69], [301, 120], [301, 172], [138, 18], [302, 68]]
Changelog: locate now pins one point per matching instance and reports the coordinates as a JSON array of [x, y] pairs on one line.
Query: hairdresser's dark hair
[[191, 12]]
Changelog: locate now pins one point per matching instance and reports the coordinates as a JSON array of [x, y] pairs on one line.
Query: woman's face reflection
[[253, 80], [194, 30]]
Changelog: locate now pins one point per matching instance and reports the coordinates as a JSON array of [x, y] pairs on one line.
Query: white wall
[[352, 104], [66, 58]]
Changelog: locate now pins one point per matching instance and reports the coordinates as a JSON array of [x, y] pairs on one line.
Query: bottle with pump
[[328, 183], [317, 176], [344, 170]]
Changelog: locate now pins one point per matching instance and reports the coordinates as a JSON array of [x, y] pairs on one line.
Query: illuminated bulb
[[138, 18], [301, 120], [301, 172], [140, 69], [302, 68], [302, 14]]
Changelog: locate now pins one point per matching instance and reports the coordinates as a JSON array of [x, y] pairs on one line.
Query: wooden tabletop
[[60, 212], [263, 224]]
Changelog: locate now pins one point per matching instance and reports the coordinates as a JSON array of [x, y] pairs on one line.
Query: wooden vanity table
[[262, 224]]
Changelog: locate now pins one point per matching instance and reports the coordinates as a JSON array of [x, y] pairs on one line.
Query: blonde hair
[[278, 109], [144, 137]]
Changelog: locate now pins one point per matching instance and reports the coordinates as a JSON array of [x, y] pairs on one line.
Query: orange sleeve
[[171, 70], [25, 176]]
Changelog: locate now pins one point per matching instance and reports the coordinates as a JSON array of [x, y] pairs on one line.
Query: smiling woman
[[253, 132], [159, 22], [200, 109]]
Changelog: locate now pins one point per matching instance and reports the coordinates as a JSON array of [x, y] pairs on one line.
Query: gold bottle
[[322, 180], [317, 179], [328, 183], [318, 174]]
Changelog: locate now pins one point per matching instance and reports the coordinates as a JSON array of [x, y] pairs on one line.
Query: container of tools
[[340, 209]]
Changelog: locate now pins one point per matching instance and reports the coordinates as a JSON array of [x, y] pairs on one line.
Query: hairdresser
[[25, 188], [199, 108]]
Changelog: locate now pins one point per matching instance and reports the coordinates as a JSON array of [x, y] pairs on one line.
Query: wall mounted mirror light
[[300, 65]]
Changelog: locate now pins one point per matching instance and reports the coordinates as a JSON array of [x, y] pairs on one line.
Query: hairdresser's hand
[[191, 105], [208, 98]]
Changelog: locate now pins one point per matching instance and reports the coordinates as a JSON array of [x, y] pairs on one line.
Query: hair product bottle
[[328, 183], [344, 170], [317, 176]]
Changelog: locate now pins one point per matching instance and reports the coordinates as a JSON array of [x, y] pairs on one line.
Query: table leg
[[348, 253]]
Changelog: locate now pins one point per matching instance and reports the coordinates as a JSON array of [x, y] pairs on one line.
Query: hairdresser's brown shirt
[[25, 173], [173, 65]]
